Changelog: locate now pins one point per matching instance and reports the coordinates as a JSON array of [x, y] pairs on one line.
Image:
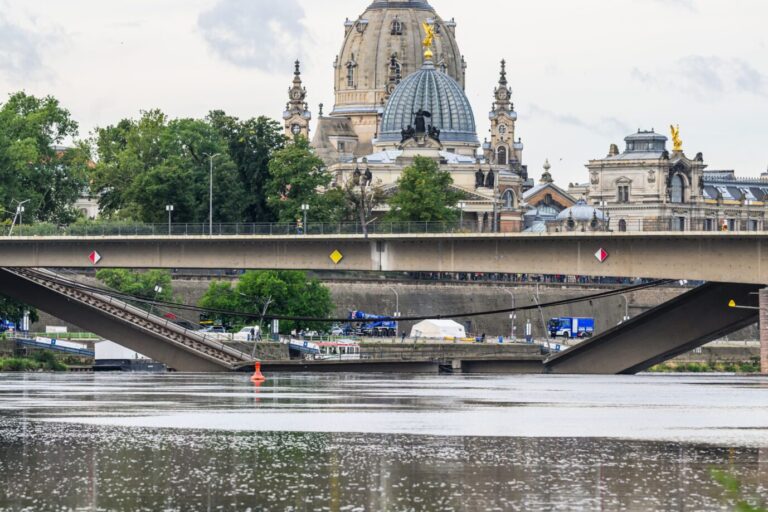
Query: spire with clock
[[297, 115], [503, 149]]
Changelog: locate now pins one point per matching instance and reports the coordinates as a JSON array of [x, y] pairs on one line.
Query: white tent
[[438, 329]]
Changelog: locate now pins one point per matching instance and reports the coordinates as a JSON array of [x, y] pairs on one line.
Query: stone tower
[[297, 115], [503, 149], [381, 48]]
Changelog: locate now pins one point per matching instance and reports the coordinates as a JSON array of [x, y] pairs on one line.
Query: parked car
[[214, 329], [337, 331]]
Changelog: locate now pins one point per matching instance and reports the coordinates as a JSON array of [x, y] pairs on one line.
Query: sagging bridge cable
[[241, 314]]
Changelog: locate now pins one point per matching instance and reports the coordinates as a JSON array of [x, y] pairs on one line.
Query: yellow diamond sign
[[336, 257]]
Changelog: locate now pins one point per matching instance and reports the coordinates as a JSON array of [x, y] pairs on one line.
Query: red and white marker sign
[[601, 255], [95, 257]]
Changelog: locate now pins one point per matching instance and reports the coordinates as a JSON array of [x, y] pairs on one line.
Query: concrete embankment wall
[[417, 299]]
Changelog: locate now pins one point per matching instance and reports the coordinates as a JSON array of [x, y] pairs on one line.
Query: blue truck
[[367, 324], [571, 327], [5, 325]]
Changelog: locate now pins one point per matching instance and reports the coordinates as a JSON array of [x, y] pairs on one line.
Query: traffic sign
[[601, 255], [336, 257], [95, 258]]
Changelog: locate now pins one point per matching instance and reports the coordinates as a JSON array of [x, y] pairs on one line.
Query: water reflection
[[87, 443]]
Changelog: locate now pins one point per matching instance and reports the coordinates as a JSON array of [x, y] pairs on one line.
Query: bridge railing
[[109, 229], [618, 220]]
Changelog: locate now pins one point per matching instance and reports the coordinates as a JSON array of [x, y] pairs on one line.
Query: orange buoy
[[257, 375]]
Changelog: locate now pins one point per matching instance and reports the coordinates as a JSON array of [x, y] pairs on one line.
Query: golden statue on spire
[[428, 40], [677, 142]]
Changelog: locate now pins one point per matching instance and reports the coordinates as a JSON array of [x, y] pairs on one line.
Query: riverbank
[[41, 361], [749, 367]]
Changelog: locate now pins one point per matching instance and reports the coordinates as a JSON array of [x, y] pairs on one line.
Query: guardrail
[[97, 229]]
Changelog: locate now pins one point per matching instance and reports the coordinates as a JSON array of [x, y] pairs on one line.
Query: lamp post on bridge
[[305, 210], [210, 192], [169, 209], [20, 209]]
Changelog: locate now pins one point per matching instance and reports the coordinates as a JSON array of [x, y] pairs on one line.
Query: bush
[[17, 364]]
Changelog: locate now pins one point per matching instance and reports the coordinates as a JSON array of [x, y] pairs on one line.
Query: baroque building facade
[[649, 187], [399, 84]]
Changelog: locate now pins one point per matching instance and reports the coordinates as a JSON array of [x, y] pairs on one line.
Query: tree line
[[137, 166]]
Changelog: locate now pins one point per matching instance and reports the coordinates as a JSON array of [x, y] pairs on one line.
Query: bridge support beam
[[764, 331]]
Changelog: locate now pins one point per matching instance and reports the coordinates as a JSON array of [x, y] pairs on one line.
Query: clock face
[[297, 95], [296, 129], [503, 94], [502, 129]]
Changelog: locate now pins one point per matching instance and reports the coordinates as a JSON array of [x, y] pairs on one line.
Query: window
[[397, 28], [623, 194], [679, 224], [350, 75], [731, 224], [341, 147], [508, 199], [677, 189], [501, 155], [622, 226], [709, 224], [753, 225]]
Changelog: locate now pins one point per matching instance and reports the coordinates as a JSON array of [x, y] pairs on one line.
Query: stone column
[[764, 331]]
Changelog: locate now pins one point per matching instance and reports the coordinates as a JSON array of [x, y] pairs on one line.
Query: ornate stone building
[[397, 98], [649, 188]]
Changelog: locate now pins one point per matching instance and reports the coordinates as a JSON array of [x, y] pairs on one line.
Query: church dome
[[581, 212], [437, 93], [389, 30]]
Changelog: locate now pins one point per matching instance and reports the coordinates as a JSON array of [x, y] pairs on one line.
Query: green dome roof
[[436, 92]]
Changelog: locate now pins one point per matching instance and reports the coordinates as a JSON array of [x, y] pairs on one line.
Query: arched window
[[501, 155], [508, 199], [350, 75], [677, 189], [397, 28], [623, 226]]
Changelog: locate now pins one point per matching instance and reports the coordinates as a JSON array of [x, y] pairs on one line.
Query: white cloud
[[707, 77], [261, 34], [22, 49]]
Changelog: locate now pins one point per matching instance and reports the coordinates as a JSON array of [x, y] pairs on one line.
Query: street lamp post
[[512, 317], [305, 209], [20, 210], [169, 209], [210, 192], [397, 309]]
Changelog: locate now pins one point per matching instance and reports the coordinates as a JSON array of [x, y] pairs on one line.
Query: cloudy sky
[[584, 74]]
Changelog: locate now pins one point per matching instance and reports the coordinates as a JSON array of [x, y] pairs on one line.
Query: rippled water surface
[[379, 442]]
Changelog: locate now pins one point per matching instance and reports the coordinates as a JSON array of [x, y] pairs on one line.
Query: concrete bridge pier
[[764, 331]]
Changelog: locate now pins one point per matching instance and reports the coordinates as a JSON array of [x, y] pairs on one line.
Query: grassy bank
[[672, 367], [45, 361]]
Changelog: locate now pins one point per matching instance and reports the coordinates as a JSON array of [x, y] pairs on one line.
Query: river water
[[379, 442]]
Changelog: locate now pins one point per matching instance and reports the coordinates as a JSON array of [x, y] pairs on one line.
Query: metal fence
[[102, 229]]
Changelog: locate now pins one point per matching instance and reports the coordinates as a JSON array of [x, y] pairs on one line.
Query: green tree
[[34, 164], [147, 164], [289, 293], [424, 194], [297, 177], [138, 284], [13, 310], [251, 144]]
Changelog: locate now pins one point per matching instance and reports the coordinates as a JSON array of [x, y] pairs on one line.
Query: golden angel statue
[[677, 142], [429, 39]]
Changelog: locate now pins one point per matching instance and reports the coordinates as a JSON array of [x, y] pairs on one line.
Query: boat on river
[[325, 351]]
